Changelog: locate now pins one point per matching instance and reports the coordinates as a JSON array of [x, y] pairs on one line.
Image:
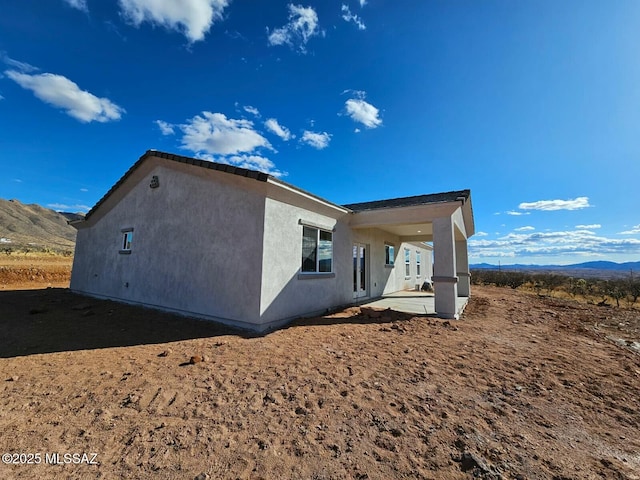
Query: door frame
[[360, 258]]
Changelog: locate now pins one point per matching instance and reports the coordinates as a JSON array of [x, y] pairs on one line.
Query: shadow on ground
[[356, 315], [57, 320]]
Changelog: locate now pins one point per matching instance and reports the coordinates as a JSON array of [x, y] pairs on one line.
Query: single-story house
[[247, 249]]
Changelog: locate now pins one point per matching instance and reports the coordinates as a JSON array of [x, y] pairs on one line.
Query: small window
[[418, 255], [407, 262], [317, 250], [389, 254], [127, 240]]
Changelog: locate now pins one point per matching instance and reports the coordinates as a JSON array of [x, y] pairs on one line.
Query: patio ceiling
[[413, 223]]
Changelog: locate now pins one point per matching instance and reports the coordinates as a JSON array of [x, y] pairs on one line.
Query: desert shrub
[[616, 289], [633, 291], [499, 278], [577, 287], [552, 281]]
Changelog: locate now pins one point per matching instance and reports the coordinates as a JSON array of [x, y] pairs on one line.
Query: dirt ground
[[521, 387], [34, 271]]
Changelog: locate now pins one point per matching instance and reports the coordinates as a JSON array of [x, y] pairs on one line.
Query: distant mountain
[[597, 269], [35, 227], [596, 265]]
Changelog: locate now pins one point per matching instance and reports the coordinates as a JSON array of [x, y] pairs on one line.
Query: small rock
[[202, 476], [88, 313], [268, 398], [35, 311], [165, 353], [460, 444], [195, 359], [468, 462], [301, 411], [13, 378]]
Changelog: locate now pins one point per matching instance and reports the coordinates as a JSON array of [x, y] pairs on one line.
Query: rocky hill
[[34, 227]]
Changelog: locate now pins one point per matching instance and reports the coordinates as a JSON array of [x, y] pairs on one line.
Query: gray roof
[[263, 177], [243, 172], [410, 201]]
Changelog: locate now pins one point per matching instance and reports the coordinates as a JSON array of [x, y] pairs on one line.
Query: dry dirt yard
[[521, 388]]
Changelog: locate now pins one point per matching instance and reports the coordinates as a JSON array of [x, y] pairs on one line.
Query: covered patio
[[445, 220], [413, 302]]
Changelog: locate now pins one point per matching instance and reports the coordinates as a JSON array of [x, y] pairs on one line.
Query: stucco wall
[[385, 279], [286, 292], [426, 269], [197, 244]]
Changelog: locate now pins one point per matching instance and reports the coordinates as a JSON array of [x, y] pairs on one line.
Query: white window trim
[[392, 258], [123, 249], [407, 262], [418, 263], [316, 273]]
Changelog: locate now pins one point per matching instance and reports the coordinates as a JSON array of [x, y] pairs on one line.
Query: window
[[127, 239], [418, 255], [407, 262], [317, 250], [389, 254]]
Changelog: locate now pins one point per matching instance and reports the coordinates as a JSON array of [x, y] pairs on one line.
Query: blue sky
[[533, 105]]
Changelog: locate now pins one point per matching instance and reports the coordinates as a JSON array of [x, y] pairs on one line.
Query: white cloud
[[79, 4], [303, 25], [362, 112], [21, 66], [553, 244], [347, 16], [251, 110], [1, 97], [62, 93], [589, 227], [214, 133], [84, 189], [251, 162], [515, 214], [61, 207], [363, 3], [635, 230], [316, 140], [550, 205], [280, 130], [165, 127], [481, 234], [524, 229], [192, 18]]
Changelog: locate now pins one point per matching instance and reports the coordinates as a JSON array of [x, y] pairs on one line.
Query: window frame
[[389, 254], [126, 241], [407, 263], [319, 232], [418, 263]]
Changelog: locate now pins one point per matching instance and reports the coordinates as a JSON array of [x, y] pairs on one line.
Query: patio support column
[[462, 267], [444, 279]]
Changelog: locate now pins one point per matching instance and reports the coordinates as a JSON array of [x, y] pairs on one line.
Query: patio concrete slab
[[411, 301]]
